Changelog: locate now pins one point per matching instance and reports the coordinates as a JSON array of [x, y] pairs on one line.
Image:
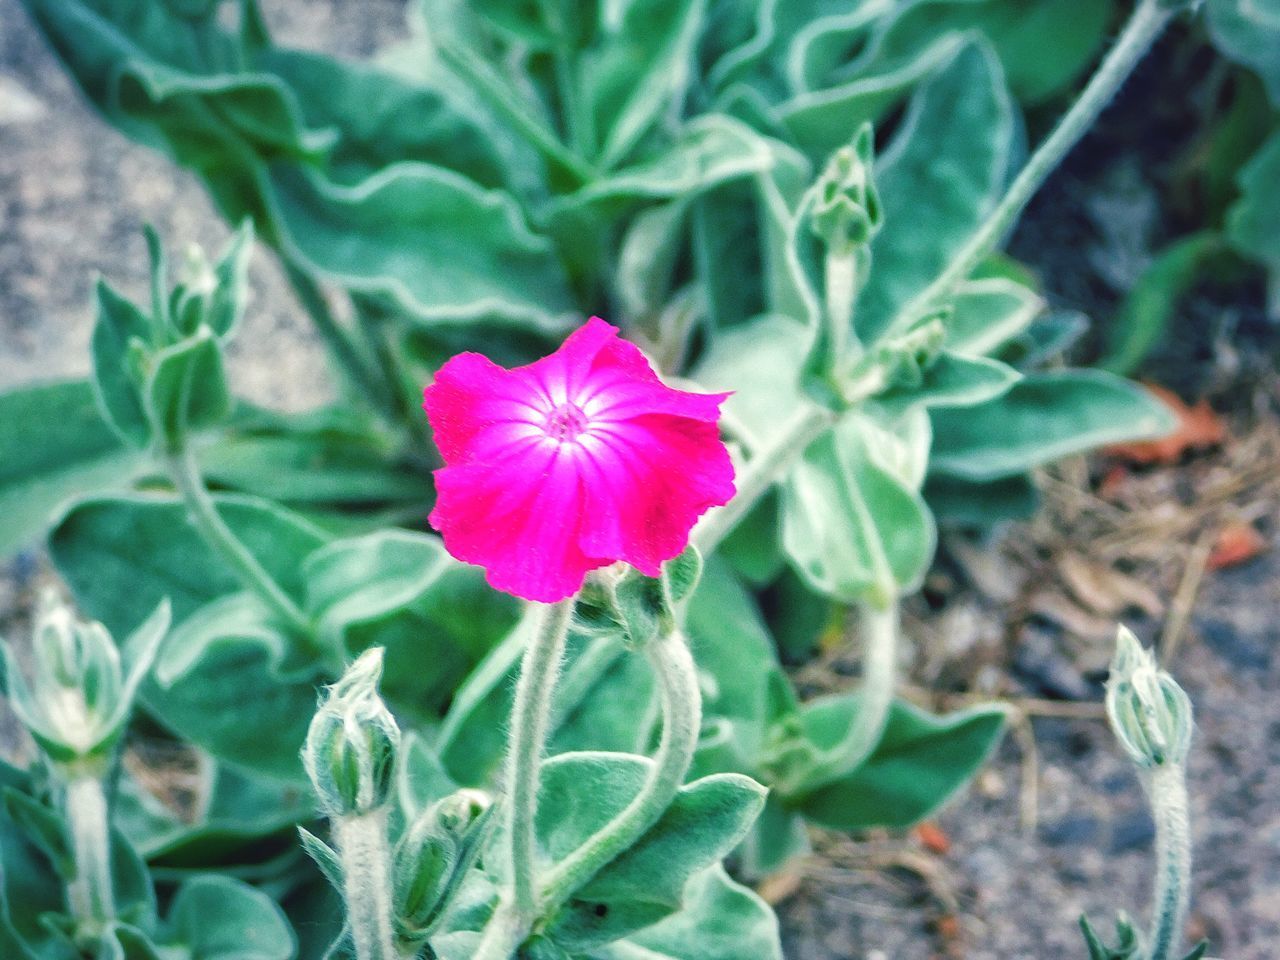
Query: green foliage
[[654, 162]]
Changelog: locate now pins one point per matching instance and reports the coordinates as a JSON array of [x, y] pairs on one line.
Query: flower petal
[[475, 406], [520, 519], [653, 477]]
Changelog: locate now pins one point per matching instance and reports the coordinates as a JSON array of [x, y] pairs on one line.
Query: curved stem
[[880, 630], [529, 723], [681, 720], [1168, 790], [89, 895], [1146, 24], [760, 473], [361, 842], [204, 514]]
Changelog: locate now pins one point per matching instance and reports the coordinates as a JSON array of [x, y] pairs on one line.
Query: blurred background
[[1175, 538]]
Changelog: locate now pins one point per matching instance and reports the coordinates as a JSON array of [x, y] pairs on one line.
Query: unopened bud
[[351, 748], [433, 857], [80, 693], [1150, 714], [846, 210]]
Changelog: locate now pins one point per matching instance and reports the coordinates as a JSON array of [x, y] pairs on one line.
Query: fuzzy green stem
[[89, 895], [1168, 792], [841, 281], [880, 631], [185, 473], [681, 720], [530, 716], [363, 851], [1144, 26], [760, 473]]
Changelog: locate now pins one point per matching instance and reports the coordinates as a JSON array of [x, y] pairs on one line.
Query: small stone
[[1073, 829], [1224, 639], [17, 103], [1132, 831]]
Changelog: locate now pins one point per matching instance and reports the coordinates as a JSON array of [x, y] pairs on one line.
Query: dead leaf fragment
[[1199, 428], [1237, 542]]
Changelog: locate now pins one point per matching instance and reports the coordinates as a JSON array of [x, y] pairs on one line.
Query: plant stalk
[[529, 725], [185, 472], [90, 895], [1145, 25], [361, 841], [1168, 791], [681, 721]]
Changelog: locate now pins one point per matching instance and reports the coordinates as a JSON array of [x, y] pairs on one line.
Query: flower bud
[[1149, 712], [433, 857], [846, 210], [351, 748], [80, 693]]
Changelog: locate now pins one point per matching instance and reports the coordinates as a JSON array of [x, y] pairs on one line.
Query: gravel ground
[[1044, 834]]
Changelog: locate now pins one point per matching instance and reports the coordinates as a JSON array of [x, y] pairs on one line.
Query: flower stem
[[529, 724], [681, 720], [203, 511], [1168, 791], [89, 895], [361, 841], [1144, 26], [760, 473]]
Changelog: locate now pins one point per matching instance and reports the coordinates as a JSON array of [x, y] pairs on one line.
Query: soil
[[1057, 823]]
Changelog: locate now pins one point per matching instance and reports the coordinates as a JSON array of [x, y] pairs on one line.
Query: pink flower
[[570, 463]]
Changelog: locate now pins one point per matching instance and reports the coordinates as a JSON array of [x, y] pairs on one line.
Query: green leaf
[[964, 114], [432, 241], [851, 528], [54, 447], [951, 380], [1247, 31], [123, 554], [1044, 417], [218, 918], [760, 362], [823, 120], [721, 920], [920, 762], [118, 326], [638, 69], [987, 313], [581, 792], [1253, 222], [186, 388], [43, 828], [243, 824], [300, 463], [1149, 306], [401, 591], [980, 503]]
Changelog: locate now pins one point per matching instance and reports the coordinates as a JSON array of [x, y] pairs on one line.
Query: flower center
[[566, 422]]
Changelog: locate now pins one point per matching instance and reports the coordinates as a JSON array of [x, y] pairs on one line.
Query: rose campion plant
[[570, 463]]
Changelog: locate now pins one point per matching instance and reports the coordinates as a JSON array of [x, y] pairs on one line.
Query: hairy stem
[[203, 511], [681, 720], [760, 473], [1168, 790], [1146, 24], [840, 281], [363, 851], [529, 723], [880, 629], [89, 895]]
